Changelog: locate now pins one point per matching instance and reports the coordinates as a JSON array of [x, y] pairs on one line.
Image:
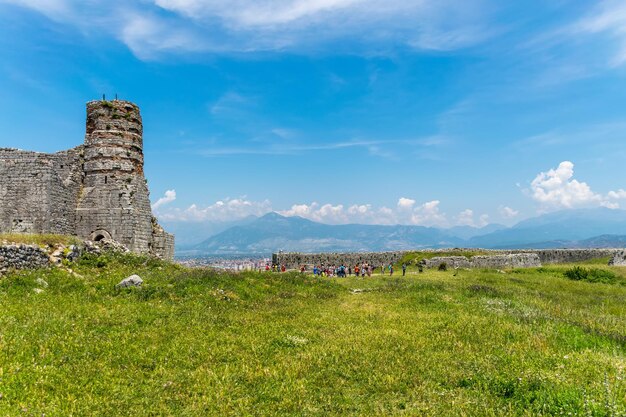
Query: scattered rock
[[131, 281], [41, 282], [37, 290]]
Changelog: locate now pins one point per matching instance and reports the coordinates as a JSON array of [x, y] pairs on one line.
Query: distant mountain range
[[583, 228]]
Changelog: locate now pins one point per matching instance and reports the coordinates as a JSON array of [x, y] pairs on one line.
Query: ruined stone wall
[[618, 258], [95, 191], [496, 259], [162, 242], [563, 256], [22, 257], [38, 191], [295, 260]]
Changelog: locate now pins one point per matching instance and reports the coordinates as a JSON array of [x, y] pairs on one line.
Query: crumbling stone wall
[[22, 257], [563, 256], [619, 258], [38, 191], [295, 260], [95, 191], [496, 259]]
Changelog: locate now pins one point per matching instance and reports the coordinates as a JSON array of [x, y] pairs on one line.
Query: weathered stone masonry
[[495, 258], [94, 191]]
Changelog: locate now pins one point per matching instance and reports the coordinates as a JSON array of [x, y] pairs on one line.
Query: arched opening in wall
[[99, 235]]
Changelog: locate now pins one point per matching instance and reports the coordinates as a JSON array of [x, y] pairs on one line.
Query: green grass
[[196, 343], [39, 239]]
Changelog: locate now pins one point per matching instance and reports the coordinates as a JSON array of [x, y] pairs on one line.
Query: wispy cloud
[[610, 134], [607, 18], [152, 27], [379, 148]]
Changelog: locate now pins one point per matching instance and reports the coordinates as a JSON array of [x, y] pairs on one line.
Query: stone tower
[[114, 201], [94, 191]]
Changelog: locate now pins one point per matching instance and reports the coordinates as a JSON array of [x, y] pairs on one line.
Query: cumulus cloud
[[427, 214], [220, 211], [557, 189], [149, 27], [339, 214], [170, 195], [507, 212], [407, 211], [405, 203], [466, 218]]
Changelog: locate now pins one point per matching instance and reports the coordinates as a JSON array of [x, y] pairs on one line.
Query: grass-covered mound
[[197, 343], [39, 239]]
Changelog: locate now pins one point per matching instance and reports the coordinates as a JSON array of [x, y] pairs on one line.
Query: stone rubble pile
[[619, 259]]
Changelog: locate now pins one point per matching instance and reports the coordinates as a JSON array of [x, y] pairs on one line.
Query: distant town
[[226, 264]]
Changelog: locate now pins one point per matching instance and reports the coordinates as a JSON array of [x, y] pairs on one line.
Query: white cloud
[[221, 211], [405, 203], [428, 214], [405, 212], [608, 18], [507, 212], [466, 218], [557, 189], [151, 27], [170, 195], [617, 195]]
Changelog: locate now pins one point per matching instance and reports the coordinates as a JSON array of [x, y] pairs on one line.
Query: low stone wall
[[295, 260], [450, 261], [22, 257], [496, 258], [563, 256], [515, 260]]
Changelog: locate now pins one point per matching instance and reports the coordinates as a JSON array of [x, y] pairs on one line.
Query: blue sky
[[434, 113]]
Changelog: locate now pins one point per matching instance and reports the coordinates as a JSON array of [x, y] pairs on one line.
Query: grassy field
[[197, 343]]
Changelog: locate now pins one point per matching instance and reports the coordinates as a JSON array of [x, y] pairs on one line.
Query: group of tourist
[[341, 271]]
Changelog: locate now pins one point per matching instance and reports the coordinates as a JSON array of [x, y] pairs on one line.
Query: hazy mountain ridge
[[585, 228]]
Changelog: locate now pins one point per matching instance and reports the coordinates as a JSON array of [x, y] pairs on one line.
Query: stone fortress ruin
[[95, 191]]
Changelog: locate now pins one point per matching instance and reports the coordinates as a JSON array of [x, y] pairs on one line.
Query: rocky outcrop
[[131, 281]]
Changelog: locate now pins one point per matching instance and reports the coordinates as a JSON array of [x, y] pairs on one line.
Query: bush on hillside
[[578, 273]]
